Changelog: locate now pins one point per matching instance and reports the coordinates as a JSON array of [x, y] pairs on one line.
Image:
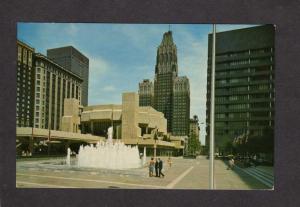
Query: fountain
[[68, 160], [144, 156], [109, 155]]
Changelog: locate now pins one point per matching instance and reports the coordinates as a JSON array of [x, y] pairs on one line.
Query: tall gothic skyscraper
[[171, 93], [166, 71]]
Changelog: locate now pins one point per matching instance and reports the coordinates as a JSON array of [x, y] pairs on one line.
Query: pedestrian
[[156, 167], [231, 164], [160, 167], [151, 167], [170, 162]]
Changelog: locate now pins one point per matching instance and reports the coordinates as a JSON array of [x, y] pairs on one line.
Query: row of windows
[[244, 71], [26, 54], [243, 115], [53, 70], [246, 52], [244, 62]]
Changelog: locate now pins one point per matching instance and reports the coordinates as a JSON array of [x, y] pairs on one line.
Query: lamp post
[[155, 139], [212, 114]]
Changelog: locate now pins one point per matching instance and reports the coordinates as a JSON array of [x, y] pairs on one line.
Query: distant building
[[146, 93], [53, 84], [244, 86], [73, 60], [194, 128], [171, 93], [181, 106], [25, 85]]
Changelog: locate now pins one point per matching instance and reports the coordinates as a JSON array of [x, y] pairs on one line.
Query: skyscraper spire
[[166, 60]]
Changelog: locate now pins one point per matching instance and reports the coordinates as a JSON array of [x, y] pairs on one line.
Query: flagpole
[[212, 115]]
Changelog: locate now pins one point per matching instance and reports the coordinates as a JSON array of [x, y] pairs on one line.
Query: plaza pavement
[[184, 174]]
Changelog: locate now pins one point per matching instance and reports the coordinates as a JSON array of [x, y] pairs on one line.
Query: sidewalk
[[184, 174]]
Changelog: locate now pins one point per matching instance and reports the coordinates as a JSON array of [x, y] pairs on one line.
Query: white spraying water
[[144, 156], [109, 155], [68, 161]]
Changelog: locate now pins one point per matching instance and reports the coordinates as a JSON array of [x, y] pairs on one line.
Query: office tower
[[146, 93], [181, 106], [73, 60], [171, 93], [25, 85], [53, 84], [244, 86], [194, 128], [166, 71]]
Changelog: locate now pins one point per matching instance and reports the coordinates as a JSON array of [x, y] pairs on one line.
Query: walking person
[[231, 164], [151, 167], [160, 167], [156, 167], [170, 162]]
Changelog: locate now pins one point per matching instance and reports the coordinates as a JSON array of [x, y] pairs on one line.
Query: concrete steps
[[265, 177]]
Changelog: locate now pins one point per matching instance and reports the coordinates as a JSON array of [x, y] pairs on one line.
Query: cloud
[[109, 88], [98, 66]]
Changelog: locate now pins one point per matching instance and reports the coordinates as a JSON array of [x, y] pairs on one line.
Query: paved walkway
[[184, 174]]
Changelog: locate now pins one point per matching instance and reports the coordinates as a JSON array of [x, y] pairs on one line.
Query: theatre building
[[132, 124]]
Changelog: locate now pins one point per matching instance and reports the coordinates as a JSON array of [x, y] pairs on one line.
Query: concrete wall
[[70, 121], [130, 104]]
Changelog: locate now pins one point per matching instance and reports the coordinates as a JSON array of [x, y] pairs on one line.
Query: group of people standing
[[157, 165]]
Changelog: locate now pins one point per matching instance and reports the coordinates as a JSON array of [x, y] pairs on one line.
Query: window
[[19, 53], [24, 56], [30, 58]]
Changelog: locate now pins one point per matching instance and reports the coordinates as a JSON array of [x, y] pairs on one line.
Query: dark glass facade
[[244, 83]]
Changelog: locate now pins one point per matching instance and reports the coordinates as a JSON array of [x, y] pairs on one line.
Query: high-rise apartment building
[[25, 85], [171, 93], [244, 83], [73, 60], [52, 84], [146, 93]]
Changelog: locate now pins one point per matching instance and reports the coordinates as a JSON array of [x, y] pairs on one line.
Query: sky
[[122, 55]]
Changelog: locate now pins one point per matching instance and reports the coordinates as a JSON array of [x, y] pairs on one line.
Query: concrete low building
[[133, 124]]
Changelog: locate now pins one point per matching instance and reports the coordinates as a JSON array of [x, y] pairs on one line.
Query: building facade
[[244, 83], [146, 93], [181, 106], [194, 127], [171, 93], [133, 125], [52, 85], [25, 85], [73, 60]]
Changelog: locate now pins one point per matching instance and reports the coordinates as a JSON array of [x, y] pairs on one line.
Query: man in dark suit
[[160, 167], [156, 167]]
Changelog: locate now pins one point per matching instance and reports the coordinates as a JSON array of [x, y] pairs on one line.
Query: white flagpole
[[212, 115]]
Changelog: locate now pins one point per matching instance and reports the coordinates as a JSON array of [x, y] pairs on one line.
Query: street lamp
[[212, 114], [155, 139]]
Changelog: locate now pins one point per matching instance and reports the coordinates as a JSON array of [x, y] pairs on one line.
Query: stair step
[[266, 175]]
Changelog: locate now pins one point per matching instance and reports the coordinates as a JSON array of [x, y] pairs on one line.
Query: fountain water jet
[[68, 160], [109, 155]]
